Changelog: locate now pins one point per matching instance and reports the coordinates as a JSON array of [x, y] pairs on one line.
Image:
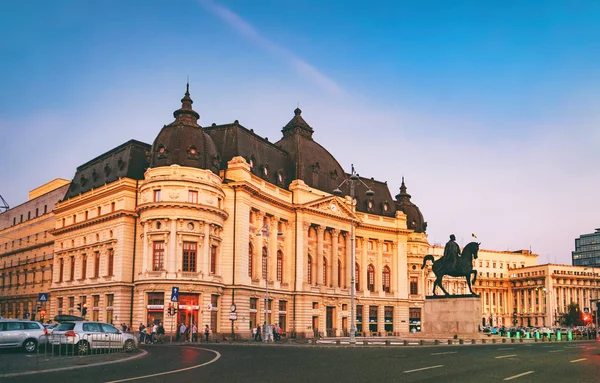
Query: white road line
[[424, 368], [505, 356], [519, 375], [556, 350], [443, 353], [578, 360], [504, 349], [173, 371]]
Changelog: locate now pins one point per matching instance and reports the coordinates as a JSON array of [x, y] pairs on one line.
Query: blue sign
[[586, 310], [175, 294], [43, 297]]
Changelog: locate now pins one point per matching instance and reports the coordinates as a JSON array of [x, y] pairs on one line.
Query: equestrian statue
[[454, 263]]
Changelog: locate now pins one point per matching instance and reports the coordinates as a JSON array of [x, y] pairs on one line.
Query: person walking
[[253, 333], [160, 332], [259, 337], [194, 332], [206, 332], [182, 332]]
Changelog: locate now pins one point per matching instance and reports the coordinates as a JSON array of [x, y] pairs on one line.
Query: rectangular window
[[414, 285], [96, 303], [74, 218], [157, 195], [213, 259], [72, 271], [61, 269], [112, 207], [37, 212], [83, 266], [214, 301], [253, 302], [45, 209], [87, 215], [28, 215], [111, 262], [388, 318], [158, 257], [156, 298], [98, 211], [96, 264], [71, 303], [60, 304], [373, 318], [359, 317], [189, 256], [193, 196]]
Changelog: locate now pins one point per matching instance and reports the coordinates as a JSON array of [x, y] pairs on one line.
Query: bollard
[[460, 341], [494, 340], [483, 341], [536, 340], [338, 342], [512, 340], [473, 341], [558, 336], [421, 342], [387, 342], [437, 341], [521, 340], [449, 341], [570, 335], [503, 340], [406, 343]]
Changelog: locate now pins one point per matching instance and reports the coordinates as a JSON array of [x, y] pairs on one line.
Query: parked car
[[22, 333], [88, 336]]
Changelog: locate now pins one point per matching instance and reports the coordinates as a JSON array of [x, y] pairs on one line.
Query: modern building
[[587, 250], [26, 252]]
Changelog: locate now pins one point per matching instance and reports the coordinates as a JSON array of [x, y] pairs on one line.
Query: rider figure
[[451, 251]]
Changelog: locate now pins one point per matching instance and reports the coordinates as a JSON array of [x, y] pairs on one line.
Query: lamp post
[[352, 181], [595, 301], [265, 231]]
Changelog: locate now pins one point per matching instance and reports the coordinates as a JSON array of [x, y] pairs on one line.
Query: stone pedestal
[[454, 315]]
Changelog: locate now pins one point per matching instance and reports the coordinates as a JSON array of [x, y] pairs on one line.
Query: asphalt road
[[537, 362]]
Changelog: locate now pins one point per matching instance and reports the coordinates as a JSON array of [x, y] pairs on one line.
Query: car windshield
[[65, 327]]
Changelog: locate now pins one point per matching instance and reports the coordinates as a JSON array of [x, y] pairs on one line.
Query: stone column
[[320, 270], [304, 254], [349, 265], [334, 257], [394, 273], [257, 242], [364, 263], [146, 252], [273, 238], [379, 267], [206, 249]]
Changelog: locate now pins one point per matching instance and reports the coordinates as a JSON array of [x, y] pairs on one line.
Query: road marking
[[505, 356], [519, 375], [443, 353], [504, 349], [556, 350], [173, 371], [424, 368], [578, 360]]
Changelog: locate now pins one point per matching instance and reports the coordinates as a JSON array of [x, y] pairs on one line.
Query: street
[[530, 362]]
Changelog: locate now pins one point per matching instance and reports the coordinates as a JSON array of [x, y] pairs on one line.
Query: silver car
[[22, 333], [88, 336]]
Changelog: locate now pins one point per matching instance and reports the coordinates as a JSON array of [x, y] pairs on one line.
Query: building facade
[[26, 252], [587, 250]]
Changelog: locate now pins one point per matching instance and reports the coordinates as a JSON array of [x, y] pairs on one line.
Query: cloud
[[249, 32]]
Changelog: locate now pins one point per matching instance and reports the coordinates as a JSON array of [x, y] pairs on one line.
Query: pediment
[[331, 206]]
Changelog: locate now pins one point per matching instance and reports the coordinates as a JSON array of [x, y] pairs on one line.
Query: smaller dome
[[414, 217], [184, 142]]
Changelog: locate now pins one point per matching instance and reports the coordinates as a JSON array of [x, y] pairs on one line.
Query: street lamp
[[596, 299], [352, 181], [264, 231]]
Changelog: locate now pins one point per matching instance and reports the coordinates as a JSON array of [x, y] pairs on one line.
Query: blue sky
[[488, 109]]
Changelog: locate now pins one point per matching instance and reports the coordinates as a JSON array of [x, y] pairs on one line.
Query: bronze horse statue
[[464, 267]]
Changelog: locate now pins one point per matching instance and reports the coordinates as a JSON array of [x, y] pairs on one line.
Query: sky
[[489, 110]]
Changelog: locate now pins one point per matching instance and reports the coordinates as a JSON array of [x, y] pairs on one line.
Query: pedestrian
[[253, 333], [206, 332], [194, 333], [259, 337], [160, 332], [182, 332], [154, 333], [124, 327], [142, 335]]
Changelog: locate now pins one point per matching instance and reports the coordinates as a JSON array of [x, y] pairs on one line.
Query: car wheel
[[128, 346], [83, 347], [30, 345]]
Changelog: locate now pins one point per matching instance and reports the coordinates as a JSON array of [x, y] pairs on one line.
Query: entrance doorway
[[329, 321], [315, 326]]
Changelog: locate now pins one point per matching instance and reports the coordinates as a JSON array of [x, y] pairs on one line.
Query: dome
[[414, 218], [184, 142]]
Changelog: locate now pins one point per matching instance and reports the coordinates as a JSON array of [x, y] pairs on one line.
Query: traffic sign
[[233, 316], [175, 294], [43, 297]]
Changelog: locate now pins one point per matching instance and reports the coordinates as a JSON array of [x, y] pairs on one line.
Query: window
[[158, 257], [37, 212], [279, 266], [386, 279], [371, 278], [264, 262], [339, 273], [61, 269], [112, 207], [74, 218], [309, 270], [72, 271], [98, 211], [370, 245], [96, 264], [193, 196], [111, 262], [157, 195], [213, 259], [325, 271], [86, 215], [189, 256], [414, 285], [388, 318], [356, 277], [45, 209], [83, 266], [250, 251]]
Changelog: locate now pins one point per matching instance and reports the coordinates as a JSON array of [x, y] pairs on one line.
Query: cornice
[[29, 248], [181, 205], [91, 222], [86, 246]]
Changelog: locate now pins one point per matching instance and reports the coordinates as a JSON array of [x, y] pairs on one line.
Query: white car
[[22, 333], [88, 336]]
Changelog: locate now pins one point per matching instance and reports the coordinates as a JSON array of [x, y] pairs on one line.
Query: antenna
[[3, 205]]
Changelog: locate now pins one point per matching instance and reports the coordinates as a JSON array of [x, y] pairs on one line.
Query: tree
[[574, 316]]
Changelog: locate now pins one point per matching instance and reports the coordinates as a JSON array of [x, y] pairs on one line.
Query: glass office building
[[587, 250]]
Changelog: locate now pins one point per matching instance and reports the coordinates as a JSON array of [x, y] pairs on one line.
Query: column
[[273, 239], [206, 249], [319, 255], [334, 257], [349, 265], [394, 274], [379, 266], [304, 255], [145, 256], [257, 242], [364, 263]]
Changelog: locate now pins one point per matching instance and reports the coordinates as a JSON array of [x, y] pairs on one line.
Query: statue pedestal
[[452, 315]]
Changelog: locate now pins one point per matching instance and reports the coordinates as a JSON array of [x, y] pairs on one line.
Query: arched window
[[339, 272], [279, 266], [386, 279], [371, 278], [325, 271], [356, 277], [264, 262], [309, 270], [250, 254]]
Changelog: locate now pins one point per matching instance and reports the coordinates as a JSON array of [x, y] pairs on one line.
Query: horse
[[464, 267]]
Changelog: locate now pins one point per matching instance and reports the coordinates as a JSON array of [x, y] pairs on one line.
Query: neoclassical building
[[227, 217]]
